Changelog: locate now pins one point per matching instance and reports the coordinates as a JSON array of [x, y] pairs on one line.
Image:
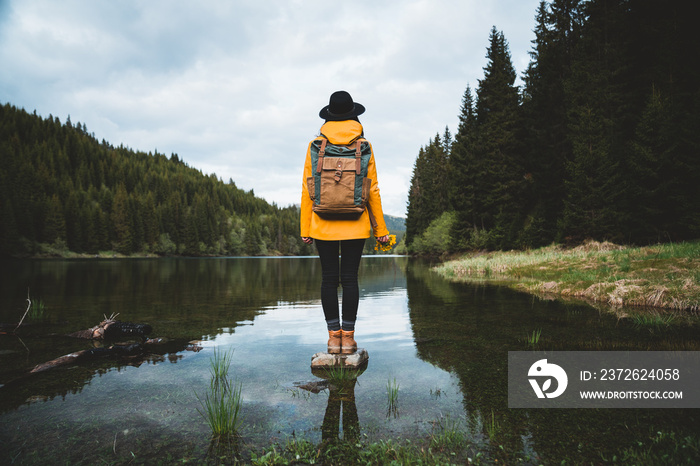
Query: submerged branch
[[29, 306]]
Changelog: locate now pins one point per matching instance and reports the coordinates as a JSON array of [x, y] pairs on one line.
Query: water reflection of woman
[[341, 127], [341, 400]]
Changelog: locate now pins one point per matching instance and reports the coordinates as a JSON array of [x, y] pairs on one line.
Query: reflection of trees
[[208, 293], [469, 329], [453, 329]]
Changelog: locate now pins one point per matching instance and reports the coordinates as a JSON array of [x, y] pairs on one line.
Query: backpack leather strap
[[321, 154], [372, 220], [358, 154]]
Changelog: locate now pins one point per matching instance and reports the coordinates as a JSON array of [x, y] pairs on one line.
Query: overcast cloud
[[235, 87]]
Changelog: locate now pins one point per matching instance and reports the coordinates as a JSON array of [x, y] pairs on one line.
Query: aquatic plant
[[392, 395], [38, 310], [492, 426], [447, 434], [654, 320], [221, 405], [221, 409], [219, 365], [534, 338]]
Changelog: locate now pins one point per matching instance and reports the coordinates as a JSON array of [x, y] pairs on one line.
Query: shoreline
[[659, 277]]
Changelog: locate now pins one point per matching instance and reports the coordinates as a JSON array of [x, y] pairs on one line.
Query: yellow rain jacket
[[313, 226]]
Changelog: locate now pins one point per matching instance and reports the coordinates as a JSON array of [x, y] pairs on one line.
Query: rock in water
[[353, 360]]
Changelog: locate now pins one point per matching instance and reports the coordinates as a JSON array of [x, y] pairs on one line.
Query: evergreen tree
[[499, 172], [55, 223], [594, 202], [122, 221], [428, 195], [463, 165], [436, 172], [415, 211], [545, 136], [652, 162]]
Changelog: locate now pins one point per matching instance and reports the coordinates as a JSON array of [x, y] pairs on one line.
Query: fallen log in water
[[111, 329], [114, 330], [92, 353], [114, 351]]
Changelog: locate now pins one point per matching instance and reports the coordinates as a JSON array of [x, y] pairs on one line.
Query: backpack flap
[[336, 164], [338, 183]]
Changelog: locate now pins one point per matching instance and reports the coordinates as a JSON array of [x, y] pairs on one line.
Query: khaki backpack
[[339, 187]]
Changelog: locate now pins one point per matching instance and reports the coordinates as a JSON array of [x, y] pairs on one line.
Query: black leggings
[[343, 270]]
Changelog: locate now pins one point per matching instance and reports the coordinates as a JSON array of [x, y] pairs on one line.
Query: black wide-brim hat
[[341, 107]]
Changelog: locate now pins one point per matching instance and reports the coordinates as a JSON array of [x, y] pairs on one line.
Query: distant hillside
[[395, 224], [62, 190]]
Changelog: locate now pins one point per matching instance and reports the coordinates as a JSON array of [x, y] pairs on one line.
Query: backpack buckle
[[338, 171]]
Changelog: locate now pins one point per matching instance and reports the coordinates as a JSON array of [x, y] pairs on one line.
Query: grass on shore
[[450, 445], [660, 276]]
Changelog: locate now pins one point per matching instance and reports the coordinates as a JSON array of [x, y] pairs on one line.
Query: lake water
[[444, 345]]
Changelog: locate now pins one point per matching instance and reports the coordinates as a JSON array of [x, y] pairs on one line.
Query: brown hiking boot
[[334, 340], [348, 344]]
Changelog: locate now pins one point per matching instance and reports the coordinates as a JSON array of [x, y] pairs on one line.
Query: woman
[[341, 127]]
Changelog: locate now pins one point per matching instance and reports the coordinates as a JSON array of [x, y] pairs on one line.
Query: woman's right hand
[[307, 240]]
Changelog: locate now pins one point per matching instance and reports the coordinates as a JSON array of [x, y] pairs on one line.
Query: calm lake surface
[[443, 344]]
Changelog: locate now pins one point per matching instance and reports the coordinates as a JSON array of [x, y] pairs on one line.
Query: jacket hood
[[341, 132]]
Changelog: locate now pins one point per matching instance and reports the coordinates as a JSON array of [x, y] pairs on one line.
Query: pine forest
[[602, 140], [59, 186]]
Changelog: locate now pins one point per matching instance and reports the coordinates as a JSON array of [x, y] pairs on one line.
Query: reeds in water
[[221, 404], [654, 320], [38, 310], [221, 409], [533, 338], [447, 434], [392, 395]]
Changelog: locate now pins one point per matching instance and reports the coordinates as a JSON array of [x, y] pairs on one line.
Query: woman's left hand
[[383, 239]]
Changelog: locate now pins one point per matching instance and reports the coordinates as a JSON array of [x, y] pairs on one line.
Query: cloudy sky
[[234, 87]]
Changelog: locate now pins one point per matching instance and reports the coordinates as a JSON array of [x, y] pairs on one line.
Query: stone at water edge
[[353, 360]]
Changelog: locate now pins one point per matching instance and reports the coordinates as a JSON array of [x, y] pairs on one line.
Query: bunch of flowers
[[388, 246]]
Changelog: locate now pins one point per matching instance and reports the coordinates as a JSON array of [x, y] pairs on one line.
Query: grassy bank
[[664, 276], [451, 446]]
